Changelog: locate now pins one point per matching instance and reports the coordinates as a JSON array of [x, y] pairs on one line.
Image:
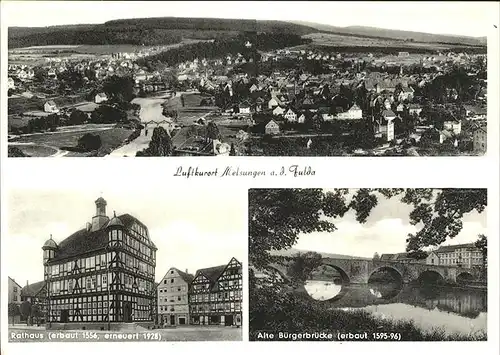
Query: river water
[[456, 310], [151, 110]]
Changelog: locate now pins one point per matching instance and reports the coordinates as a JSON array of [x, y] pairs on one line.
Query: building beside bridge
[[102, 273], [461, 255]]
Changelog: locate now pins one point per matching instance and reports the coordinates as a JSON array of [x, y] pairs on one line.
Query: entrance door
[[127, 311], [228, 320], [182, 321], [64, 316], [172, 320]]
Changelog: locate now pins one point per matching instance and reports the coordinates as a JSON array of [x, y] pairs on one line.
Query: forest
[[222, 47]]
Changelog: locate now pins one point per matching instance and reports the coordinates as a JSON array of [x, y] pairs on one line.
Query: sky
[[385, 231], [458, 18], [188, 232]]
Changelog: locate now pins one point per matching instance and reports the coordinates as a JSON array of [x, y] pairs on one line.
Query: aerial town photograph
[[192, 86], [110, 268], [367, 264]]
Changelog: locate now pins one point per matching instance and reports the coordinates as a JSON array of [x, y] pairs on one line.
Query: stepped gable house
[[215, 295], [103, 273]]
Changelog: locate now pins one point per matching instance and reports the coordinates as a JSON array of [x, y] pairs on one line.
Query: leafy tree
[[25, 310], [482, 244], [36, 313], [376, 256], [90, 142], [15, 152], [160, 145], [119, 88], [303, 265], [40, 74], [212, 132], [418, 254], [13, 311], [77, 117], [278, 216], [108, 114]]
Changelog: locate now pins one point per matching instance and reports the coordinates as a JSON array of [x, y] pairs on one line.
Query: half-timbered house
[[215, 295], [103, 273]]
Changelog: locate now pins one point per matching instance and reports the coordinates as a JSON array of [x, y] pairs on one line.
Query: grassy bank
[[276, 311]]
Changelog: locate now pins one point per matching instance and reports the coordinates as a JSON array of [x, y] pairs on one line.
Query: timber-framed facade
[[103, 273], [215, 295]]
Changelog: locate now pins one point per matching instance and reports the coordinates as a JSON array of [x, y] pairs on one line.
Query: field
[[37, 54], [342, 41], [50, 143], [17, 105]]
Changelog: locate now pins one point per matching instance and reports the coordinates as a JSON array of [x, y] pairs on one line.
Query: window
[[15, 289], [172, 281]]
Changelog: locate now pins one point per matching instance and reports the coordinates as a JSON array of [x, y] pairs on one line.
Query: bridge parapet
[[358, 271]]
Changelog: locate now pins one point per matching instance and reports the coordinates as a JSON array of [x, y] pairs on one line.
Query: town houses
[[103, 276], [216, 294], [298, 93]]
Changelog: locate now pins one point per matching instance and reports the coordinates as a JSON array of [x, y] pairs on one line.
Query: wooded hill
[[169, 30]]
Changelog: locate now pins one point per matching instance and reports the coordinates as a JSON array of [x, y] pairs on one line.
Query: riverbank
[[291, 313], [151, 111]]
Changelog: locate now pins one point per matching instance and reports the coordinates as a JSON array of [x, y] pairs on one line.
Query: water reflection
[[322, 290], [453, 309]]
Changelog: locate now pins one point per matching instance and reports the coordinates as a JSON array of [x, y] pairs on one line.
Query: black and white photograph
[[123, 267], [365, 264], [127, 79]]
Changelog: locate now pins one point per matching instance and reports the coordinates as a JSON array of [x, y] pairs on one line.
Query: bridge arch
[[392, 270], [430, 276], [343, 274], [464, 276]]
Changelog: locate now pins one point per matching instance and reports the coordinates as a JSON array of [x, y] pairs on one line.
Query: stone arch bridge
[[358, 271]]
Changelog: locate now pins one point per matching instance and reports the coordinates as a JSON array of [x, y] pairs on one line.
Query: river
[[151, 110], [454, 309]]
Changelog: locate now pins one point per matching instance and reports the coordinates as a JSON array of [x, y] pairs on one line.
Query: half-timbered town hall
[[103, 273]]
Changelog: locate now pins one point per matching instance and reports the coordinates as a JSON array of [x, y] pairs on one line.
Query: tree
[[232, 152], [108, 114], [418, 254], [16, 152], [482, 244], [25, 310], [13, 311], [77, 117], [278, 216], [89, 142], [119, 88], [160, 145], [212, 132], [303, 265], [376, 256], [36, 312]]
